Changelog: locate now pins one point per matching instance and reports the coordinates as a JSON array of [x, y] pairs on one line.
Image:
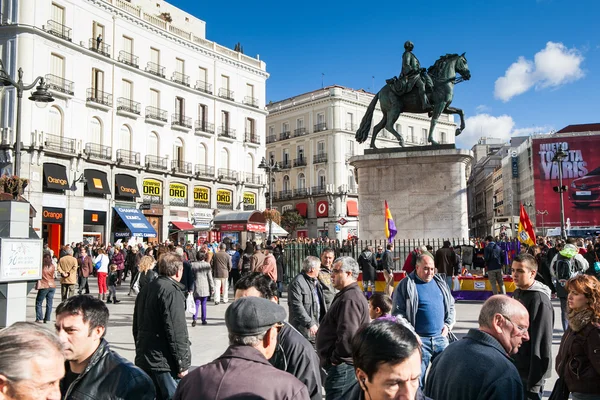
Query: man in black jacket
[[368, 266], [294, 354], [162, 346], [534, 359], [93, 370], [305, 300]]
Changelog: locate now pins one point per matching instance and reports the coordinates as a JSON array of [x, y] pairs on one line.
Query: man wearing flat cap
[[424, 299], [243, 371]]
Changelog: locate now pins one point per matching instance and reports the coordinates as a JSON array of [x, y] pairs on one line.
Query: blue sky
[[549, 49]]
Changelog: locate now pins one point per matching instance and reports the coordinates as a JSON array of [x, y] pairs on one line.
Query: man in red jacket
[[86, 268]]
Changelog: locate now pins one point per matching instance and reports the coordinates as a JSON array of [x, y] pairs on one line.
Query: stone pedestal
[[425, 187]]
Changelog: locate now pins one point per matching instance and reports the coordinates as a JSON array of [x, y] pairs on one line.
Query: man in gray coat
[[305, 299], [221, 264]]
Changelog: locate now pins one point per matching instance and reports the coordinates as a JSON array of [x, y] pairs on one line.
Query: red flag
[[526, 233]]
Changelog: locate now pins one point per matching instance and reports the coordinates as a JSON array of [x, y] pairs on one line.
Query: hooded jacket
[[568, 252], [534, 359], [368, 265]]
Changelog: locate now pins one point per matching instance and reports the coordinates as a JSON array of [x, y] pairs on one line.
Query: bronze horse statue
[[443, 74]]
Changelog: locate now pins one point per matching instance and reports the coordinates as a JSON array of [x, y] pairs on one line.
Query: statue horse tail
[[362, 134]]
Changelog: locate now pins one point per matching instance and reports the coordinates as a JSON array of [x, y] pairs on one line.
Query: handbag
[[98, 264], [135, 288]]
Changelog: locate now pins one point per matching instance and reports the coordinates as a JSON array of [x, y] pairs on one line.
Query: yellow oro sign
[[224, 196], [249, 198], [152, 187], [177, 191], [201, 194]]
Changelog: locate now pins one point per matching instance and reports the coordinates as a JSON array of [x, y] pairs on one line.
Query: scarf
[[579, 319]]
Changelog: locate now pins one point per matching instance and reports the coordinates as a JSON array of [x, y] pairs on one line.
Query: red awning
[[183, 226], [352, 208], [302, 209]]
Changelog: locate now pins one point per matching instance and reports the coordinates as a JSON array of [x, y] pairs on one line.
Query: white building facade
[[312, 137], [146, 109]]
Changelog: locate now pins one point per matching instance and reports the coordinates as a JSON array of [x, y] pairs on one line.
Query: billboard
[[581, 176]]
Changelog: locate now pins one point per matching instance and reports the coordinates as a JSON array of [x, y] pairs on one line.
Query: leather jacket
[[108, 376]]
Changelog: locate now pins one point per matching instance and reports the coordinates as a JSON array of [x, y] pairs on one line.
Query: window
[[300, 151], [57, 65], [225, 82], [225, 120], [58, 13], [286, 156], [180, 66], [249, 163], [321, 147], [154, 98], [320, 119], [202, 74], [424, 134], [250, 90], [97, 81], [98, 31], [125, 138], [202, 154], [271, 130], [351, 182], [95, 134], [301, 181], [178, 150], [285, 127], [299, 123], [155, 56], [321, 180], [411, 134], [271, 155], [127, 87], [202, 113], [55, 121], [250, 124], [152, 145], [442, 137], [349, 121], [398, 128], [224, 159], [127, 44], [286, 183], [180, 108], [350, 147]]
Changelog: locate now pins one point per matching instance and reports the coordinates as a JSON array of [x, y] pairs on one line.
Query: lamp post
[[270, 167], [560, 189], [542, 213], [40, 96]]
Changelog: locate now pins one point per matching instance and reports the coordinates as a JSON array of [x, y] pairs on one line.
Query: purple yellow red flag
[[390, 226], [526, 234]]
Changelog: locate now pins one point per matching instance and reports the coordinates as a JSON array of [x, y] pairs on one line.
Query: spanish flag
[[526, 234], [390, 226]]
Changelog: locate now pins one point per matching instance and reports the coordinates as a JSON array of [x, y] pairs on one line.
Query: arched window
[[125, 138], [202, 154], [55, 121], [178, 150], [95, 135], [249, 163], [321, 180], [286, 183], [301, 181], [351, 181], [224, 161], [152, 145]]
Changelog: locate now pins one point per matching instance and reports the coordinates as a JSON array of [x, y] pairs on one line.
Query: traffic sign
[[342, 221], [337, 228]]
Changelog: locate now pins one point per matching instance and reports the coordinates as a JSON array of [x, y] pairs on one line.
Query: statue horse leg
[[461, 114], [378, 128], [437, 111], [392, 117]]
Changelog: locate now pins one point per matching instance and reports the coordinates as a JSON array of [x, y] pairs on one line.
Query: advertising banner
[[152, 191], [322, 208], [249, 201], [224, 199], [201, 197], [178, 194], [581, 176]]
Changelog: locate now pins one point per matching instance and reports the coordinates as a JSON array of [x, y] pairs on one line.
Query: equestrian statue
[[418, 91]]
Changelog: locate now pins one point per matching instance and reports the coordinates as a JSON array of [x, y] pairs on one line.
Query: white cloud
[[552, 66], [485, 125], [482, 108]]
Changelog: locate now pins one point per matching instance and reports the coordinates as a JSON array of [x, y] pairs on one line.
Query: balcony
[[129, 59], [203, 87], [128, 157], [271, 138], [180, 78], [225, 132], [204, 127], [96, 150], [58, 84], [351, 127], [93, 95], [315, 190], [285, 194], [251, 137], [251, 101], [226, 94], [275, 197], [300, 162], [181, 121], [255, 179], [284, 135], [156, 114], [206, 171], [59, 30], [300, 132], [227, 174], [155, 69], [128, 106], [300, 192], [320, 127], [60, 144], [285, 164], [320, 158], [181, 167], [155, 162], [99, 47]]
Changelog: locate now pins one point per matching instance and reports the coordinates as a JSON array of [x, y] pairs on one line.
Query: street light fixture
[[270, 167], [542, 213], [559, 156], [41, 96]]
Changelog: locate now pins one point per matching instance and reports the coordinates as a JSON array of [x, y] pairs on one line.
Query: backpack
[[565, 269]]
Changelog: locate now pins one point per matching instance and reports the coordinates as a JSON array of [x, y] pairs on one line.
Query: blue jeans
[[42, 294], [165, 383], [431, 348], [339, 379], [563, 313]]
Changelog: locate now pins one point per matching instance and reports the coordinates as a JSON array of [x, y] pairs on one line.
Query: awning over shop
[[277, 230], [182, 226], [55, 177], [136, 222], [126, 185], [351, 208], [96, 181], [302, 209], [251, 221]]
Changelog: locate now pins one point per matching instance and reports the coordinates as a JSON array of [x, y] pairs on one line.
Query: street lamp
[[560, 189], [41, 96], [270, 167], [542, 213]]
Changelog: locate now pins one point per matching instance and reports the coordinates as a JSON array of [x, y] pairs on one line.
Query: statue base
[[425, 187]]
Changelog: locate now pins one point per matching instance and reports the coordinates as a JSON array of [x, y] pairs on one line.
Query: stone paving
[[209, 341]]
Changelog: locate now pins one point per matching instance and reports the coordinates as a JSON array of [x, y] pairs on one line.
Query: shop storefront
[[54, 205], [239, 227], [94, 223], [126, 191], [130, 222], [53, 228], [94, 214], [202, 220]]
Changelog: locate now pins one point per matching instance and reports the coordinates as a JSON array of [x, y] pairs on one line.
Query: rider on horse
[[412, 75]]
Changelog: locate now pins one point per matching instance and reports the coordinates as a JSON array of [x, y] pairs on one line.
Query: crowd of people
[[334, 338]]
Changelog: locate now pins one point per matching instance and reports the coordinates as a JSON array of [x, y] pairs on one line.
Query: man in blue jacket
[[492, 255], [424, 299]]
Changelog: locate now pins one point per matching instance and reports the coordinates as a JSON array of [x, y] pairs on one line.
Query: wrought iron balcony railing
[[204, 170], [320, 127], [97, 150], [303, 192], [321, 189], [300, 162], [128, 157], [299, 132], [285, 164], [129, 59], [251, 101], [203, 126], [227, 174], [181, 167], [320, 158], [95, 95], [181, 120], [203, 87], [286, 194], [60, 144], [251, 137], [253, 178], [275, 197], [57, 29], [59, 84], [156, 162], [226, 94], [284, 135], [155, 69], [99, 47], [156, 114], [180, 78], [128, 105], [271, 138], [224, 131]]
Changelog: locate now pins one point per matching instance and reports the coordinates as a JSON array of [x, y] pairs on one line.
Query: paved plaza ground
[[210, 341]]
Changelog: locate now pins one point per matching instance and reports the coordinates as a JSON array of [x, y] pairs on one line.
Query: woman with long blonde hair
[[146, 271]]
